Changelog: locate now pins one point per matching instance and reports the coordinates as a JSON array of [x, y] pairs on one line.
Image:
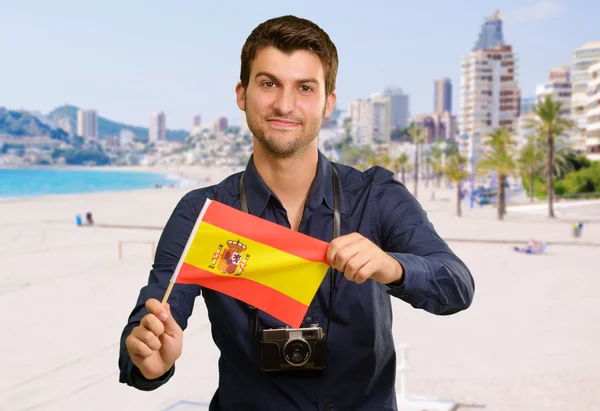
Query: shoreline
[[182, 177]]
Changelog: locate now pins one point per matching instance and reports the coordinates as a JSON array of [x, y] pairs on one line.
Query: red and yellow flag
[[268, 266]]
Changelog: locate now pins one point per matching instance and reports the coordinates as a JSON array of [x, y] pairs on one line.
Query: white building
[[158, 127], [489, 98], [370, 120], [593, 114], [87, 124], [583, 58], [558, 87]]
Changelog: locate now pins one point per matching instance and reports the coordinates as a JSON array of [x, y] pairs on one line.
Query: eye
[[306, 89], [269, 84]]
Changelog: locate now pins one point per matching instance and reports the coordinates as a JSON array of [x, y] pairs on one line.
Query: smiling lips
[[282, 123]]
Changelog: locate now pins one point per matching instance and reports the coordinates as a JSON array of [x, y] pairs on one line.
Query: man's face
[[285, 100]]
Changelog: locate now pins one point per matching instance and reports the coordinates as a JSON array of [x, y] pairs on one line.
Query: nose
[[285, 101]]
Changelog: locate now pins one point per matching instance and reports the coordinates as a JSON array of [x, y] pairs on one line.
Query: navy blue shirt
[[361, 359]]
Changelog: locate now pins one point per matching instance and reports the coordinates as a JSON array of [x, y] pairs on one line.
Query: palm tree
[[428, 163], [550, 120], [499, 158], [455, 172], [408, 169], [386, 161], [531, 160], [416, 135], [401, 163], [437, 164]]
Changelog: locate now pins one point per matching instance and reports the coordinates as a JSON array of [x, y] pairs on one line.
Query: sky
[[128, 59]]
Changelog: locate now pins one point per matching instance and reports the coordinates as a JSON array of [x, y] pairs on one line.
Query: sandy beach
[[528, 342]]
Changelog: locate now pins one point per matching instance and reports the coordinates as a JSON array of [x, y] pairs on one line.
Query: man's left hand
[[360, 259]]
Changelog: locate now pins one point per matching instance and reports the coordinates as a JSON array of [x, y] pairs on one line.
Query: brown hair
[[290, 33]]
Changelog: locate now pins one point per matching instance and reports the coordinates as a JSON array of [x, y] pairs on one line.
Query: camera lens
[[296, 352]]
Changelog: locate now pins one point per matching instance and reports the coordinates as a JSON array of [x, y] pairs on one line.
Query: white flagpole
[[185, 250]]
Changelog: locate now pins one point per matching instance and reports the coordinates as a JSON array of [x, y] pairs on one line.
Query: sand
[[528, 342]]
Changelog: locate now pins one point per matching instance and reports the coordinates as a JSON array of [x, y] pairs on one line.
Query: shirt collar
[[259, 194]]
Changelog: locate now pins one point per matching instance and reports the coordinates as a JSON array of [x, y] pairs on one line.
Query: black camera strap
[[336, 233]]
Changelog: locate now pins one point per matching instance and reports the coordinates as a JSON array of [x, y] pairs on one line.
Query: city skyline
[[115, 74]]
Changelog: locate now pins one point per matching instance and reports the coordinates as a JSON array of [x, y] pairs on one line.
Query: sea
[[39, 182]]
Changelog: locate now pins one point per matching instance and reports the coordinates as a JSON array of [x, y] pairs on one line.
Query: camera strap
[[336, 233]]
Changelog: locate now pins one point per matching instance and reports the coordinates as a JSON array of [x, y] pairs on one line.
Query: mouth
[[281, 123]]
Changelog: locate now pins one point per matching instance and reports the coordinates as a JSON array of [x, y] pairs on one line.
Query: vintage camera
[[293, 348]]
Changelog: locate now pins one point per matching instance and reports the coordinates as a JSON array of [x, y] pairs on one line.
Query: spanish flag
[[268, 266]]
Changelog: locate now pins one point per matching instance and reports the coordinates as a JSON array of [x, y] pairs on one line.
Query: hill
[[109, 128], [23, 123]]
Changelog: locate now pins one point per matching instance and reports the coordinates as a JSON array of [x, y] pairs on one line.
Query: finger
[[354, 265], [137, 347], [150, 322], [155, 307], [344, 255], [151, 340], [365, 272], [340, 243], [163, 313], [171, 326]]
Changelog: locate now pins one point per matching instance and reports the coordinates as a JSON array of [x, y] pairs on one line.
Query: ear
[[240, 96], [330, 104]]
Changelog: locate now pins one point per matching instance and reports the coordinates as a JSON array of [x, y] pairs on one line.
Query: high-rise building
[[381, 115], [490, 96], [526, 116], [558, 87], [592, 131], [221, 124], [442, 96], [491, 34], [158, 127], [399, 106], [87, 124], [583, 58], [196, 121], [370, 120]]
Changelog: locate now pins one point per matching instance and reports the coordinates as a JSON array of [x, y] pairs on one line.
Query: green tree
[[437, 164], [499, 158], [530, 161], [550, 121], [455, 172], [401, 164]]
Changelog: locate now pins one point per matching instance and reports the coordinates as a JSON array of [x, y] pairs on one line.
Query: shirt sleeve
[[169, 249], [435, 279]]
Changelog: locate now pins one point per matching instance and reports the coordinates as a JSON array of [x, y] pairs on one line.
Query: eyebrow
[[275, 79]]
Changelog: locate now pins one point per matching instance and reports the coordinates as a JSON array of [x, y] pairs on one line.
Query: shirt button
[[308, 320]]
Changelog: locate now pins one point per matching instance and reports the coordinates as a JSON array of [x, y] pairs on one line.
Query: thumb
[[171, 326]]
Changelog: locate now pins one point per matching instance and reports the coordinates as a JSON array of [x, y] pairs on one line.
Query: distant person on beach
[[89, 219], [386, 248]]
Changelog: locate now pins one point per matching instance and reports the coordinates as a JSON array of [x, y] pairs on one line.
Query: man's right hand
[[157, 342]]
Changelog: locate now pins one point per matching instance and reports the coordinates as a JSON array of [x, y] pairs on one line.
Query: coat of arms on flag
[[232, 260]]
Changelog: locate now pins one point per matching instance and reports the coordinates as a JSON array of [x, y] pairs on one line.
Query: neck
[[289, 178]]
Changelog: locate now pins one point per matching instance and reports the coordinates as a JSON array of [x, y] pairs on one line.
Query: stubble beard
[[283, 146]]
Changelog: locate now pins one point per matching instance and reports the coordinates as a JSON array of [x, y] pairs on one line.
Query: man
[[386, 247]]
